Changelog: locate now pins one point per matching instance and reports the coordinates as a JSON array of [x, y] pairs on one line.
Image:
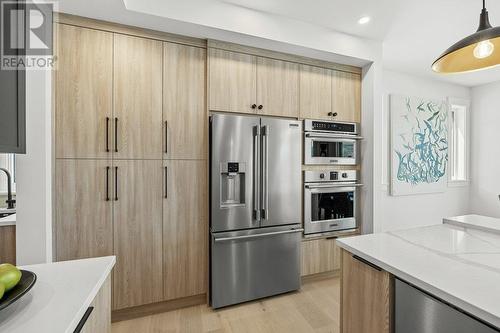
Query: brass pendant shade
[[478, 51]]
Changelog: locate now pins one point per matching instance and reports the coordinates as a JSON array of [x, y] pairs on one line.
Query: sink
[[6, 212]]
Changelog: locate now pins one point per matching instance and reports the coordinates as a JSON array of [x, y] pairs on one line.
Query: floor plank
[[315, 308]]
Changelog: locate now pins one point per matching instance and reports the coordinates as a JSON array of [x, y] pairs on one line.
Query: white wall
[[34, 175], [485, 150], [399, 212]]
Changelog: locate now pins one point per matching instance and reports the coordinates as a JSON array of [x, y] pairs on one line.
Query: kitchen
[[223, 176]]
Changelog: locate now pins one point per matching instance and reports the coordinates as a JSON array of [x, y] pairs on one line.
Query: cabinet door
[[315, 92], [366, 297], [346, 96], [99, 320], [185, 229], [84, 226], [277, 87], [138, 277], [232, 81], [184, 110], [319, 256], [83, 99], [137, 97]]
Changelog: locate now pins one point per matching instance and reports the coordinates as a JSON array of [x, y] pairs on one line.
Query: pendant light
[[478, 51]]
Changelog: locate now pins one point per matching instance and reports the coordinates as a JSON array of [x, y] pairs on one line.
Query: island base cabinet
[[366, 297], [99, 320], [8, 244]]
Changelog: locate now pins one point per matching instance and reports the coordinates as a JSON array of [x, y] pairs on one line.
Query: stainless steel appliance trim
[[335, 185], [257, 170], [330, 135], [228, 239], [265, 172]]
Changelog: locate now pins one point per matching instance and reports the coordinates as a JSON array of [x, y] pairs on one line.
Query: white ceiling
[[414, 33]]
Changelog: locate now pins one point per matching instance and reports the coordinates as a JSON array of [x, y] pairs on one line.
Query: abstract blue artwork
[[419, 145]]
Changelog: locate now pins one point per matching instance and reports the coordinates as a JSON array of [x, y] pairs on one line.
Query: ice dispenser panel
[[232, 178]]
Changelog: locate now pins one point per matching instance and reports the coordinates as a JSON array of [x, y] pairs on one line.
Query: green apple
[[2, 290], [9, 276]]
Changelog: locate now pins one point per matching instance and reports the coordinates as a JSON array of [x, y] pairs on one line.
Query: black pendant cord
[[484, 20]]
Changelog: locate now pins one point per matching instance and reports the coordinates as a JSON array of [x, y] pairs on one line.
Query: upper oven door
[[329, 207], [324, 149]]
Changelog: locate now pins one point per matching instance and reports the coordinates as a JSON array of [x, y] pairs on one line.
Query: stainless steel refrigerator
[[255, 194]]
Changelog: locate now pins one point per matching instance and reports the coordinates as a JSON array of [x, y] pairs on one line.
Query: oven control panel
[[331, 176], [331, 126]]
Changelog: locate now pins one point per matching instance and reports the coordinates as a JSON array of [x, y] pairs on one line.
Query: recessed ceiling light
[[364, 20]]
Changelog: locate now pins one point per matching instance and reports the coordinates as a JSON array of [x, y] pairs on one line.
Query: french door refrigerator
[[255, 224]]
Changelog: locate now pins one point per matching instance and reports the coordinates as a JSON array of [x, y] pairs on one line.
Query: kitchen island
[[452, 267], [66, 295], [8, 239]]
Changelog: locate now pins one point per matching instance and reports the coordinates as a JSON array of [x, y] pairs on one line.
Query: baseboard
[[154, 308], [320, 276]]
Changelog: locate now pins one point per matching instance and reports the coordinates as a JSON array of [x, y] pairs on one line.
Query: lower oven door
[[329, 208], [329, 150]]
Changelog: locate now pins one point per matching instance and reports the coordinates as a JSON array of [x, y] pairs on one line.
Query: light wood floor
[[315, 308]]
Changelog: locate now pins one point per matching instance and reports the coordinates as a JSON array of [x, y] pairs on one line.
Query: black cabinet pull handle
[[116, 134], [260, 107], [166, 137], [166, 182], [107, 134], [333, 114], [107, 183], [254, 106], [366, 262], [116, 183], [84, 319]]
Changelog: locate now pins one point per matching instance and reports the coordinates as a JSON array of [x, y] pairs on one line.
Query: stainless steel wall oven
[[330, 201], [328, 142]]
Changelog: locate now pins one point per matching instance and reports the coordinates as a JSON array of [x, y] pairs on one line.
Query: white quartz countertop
[[484, 223], [459, 264], [58, 300], [8, 220]]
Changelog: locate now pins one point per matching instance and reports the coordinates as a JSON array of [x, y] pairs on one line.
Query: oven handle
[[332, 185], [330, 136]]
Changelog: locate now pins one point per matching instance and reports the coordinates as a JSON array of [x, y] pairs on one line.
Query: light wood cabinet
[[366, 297], [8, 244], [232, 81], [185, 229], [246, 83], [346, 96], [138, 277], [184, 109], [99, 320], [315, 92], [319, 256], [84, 226], [137, 97], [277, 87], [83, 84]]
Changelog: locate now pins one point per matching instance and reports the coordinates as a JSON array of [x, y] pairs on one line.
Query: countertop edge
[[459, 303], [92, 295]]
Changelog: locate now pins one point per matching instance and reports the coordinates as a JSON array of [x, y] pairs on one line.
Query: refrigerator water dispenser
[[232, 177]]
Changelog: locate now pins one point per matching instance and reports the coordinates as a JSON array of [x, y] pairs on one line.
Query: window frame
[[452, 101]]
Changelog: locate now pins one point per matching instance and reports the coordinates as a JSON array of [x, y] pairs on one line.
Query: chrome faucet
[[11, 203]]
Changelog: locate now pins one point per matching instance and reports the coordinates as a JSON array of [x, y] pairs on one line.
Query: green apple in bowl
[[10, 276]]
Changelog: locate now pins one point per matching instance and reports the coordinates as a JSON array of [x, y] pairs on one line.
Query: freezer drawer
[[418, 312], [251, 264]]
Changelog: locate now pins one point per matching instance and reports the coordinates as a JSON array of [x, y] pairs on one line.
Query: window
[[7, 161], [458, 141]]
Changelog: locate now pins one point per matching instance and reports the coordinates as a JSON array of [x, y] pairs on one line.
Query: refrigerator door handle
[[247, 237], [256, 171], [265, 172]]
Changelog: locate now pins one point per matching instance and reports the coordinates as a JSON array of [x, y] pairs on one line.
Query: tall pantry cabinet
[[131, 158]]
